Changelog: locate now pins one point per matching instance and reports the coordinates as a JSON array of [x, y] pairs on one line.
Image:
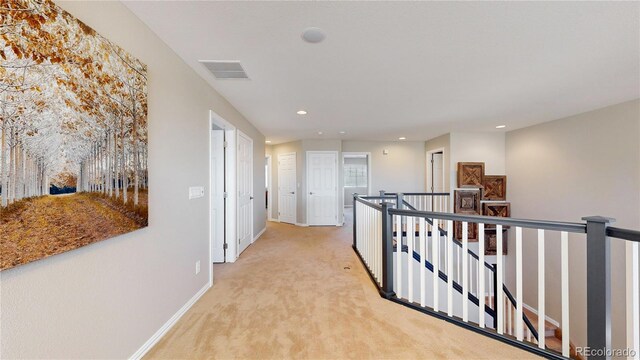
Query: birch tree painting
[[73, 156]]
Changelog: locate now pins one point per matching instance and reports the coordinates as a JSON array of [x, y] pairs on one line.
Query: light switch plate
[[196, 192]]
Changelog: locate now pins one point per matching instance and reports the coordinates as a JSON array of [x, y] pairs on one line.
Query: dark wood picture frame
[[491, 242], [470, 174], [466, 202], [497, 209], [494, 187], [472, 231]]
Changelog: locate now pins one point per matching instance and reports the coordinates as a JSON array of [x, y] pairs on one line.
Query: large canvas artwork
[[73, 164]]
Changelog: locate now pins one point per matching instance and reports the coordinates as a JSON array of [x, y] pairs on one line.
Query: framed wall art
[[497, 209], [494, 187], [75, 125], [466, 202], [491, 242], [472, 231], [470, 174]]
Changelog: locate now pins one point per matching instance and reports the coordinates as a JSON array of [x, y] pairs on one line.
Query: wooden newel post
[[387, 251], [598, 286]]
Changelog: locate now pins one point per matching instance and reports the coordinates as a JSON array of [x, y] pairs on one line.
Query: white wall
[[587, 164], [402, 170], [107, 299], [487, 147]]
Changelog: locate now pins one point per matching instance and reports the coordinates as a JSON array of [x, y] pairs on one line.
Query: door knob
[[310, 193], [293, 192], [250, 197]]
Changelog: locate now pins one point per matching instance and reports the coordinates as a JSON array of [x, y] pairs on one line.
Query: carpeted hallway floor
[[301, 293]]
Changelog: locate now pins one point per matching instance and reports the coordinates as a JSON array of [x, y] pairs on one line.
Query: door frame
[[338, 187], [269, 177], [369, 171], [229, 188], [295, 213], [429, 168], [252, 195]]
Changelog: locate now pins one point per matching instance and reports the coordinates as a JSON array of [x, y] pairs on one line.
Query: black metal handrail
[[598, 261], [533, 224], [625, 234], [363, 200], [419, 194]]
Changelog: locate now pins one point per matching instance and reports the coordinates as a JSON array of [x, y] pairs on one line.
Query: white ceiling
[[414, 69]]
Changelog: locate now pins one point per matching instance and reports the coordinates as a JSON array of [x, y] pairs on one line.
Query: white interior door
[[217, 198], [245, 191], [322, 188], [437, 172], [287, 188]]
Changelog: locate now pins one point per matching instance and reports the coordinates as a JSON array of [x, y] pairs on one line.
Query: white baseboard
[[259, 234], [303, 225], [168, 325], [535, 311]]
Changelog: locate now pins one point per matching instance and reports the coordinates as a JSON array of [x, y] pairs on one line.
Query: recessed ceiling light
[[313, 35], [343, 132], [268, 141], [402, 138], [501, 126], [301, 112], [320, 133]]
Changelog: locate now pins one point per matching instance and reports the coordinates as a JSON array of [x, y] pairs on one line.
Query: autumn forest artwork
[[73, 157]]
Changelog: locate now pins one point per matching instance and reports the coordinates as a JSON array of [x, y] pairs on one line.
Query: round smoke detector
[[313, 35]]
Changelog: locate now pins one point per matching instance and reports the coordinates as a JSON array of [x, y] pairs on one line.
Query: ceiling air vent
[[225, 69]]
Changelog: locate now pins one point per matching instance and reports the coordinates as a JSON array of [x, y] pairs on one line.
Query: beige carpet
[[301, 293]]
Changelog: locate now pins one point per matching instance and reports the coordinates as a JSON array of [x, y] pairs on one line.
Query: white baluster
[[499, 270], [541, 295], [399, 256], [436, 263], [423, 257], [378, 246], [410, 237], [635, 300], [519, 295], [481, 293], [365, 238], [564, 274], [509, 312], [449, 240], [465, 272]]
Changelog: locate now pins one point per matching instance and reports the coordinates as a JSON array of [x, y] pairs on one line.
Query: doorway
[[357, 175], [267, 186], [222, 196], [245, 191], [287, 197], [322, 188], [435, 171]]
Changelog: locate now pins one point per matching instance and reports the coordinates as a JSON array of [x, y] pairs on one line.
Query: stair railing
[[374, 242], [531, 332]]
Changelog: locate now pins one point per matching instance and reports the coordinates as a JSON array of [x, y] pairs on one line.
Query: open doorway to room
[[267, 186], [357, 175], [223, 190], [435, 171]]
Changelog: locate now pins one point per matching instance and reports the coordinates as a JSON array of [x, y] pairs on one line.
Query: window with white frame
[[355, 175]]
